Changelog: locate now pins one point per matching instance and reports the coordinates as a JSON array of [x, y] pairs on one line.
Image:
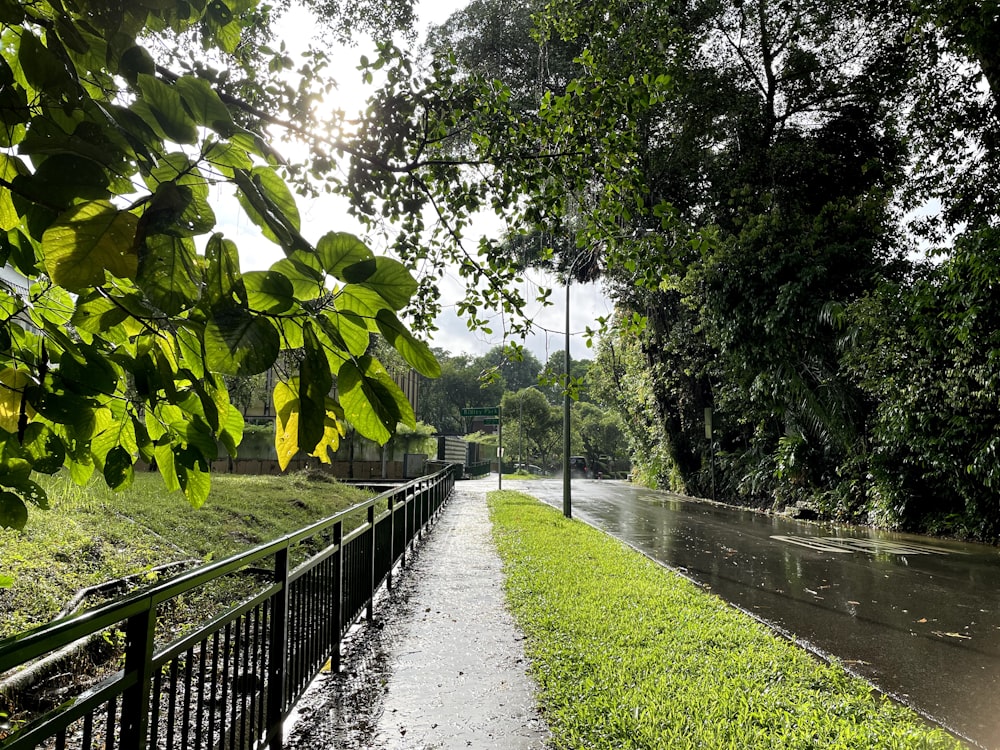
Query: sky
[[328, 213]]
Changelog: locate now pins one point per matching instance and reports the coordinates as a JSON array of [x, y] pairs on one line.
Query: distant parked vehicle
[[578, 466]]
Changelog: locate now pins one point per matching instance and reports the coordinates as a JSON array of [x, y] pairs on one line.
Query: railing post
[[425, 504], [392, 542], [278, 653], [338, 594], [370, 609], [139, 636], [406, 531], [418, 511]]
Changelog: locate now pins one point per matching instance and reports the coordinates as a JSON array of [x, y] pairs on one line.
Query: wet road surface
[[918, 617]]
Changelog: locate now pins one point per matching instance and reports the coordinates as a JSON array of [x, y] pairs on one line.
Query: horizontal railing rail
[[232, 681]]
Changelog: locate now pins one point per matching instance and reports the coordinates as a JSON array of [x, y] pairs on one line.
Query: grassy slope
[[91, 534], [630, 655]]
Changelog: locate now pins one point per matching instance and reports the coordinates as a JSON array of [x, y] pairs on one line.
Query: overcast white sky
[[329, 214]]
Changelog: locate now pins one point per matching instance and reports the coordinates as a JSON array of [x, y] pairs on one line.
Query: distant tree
[[442, 398], [553, 377], [247, 390], [532, 427], [600, 434], [514, 371]]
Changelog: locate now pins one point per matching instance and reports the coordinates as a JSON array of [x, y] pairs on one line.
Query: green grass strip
[[628, 654]]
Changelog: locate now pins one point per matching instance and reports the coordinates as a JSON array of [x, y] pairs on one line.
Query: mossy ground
[[91, 535]]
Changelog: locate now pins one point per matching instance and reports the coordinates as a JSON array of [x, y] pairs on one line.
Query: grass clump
[[630, 655], [91, 535]]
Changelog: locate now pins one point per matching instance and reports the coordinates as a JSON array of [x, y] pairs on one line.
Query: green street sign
[[481, 411], [491, 420]]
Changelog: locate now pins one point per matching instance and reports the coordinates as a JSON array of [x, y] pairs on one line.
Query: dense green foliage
[[759, 209], [115, 138], [629, 655]]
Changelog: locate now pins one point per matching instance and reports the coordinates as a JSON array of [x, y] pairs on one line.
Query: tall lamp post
[[567, 493]]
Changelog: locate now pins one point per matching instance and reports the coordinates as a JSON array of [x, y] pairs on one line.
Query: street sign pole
[[493, 417], [499, 450]]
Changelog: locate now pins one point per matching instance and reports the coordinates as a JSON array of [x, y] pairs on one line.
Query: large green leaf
[[44, 448], [315, 382], [391, 281], [193, 475], [168, 273], [88, 371], [269, 203], [231, 430], [165, 462], [362, 302], [372, 402], [95, 313], [291, 332], [188, 342], [62, 180], [239, 343], [359, 271], [88, 240], [177, 168], [179, 210], [15, 464], [52, 306], [226, 157], [118, 469], [269, 292], [223, 283], [42, 67], [203, 103], [417, 354], [196, 402], [348, 331], [304, 272], [166, 107], [338, 250], [13, 511], [195, 434]]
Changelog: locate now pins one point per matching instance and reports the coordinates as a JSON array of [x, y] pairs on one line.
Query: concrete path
[[443, 667]]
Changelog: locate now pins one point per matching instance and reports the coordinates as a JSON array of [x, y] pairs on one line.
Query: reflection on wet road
[[918, 617]]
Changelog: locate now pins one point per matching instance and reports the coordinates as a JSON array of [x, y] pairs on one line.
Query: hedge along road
[[918, 617]]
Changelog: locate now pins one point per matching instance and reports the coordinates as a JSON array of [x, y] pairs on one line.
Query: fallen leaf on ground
[[952, 635]]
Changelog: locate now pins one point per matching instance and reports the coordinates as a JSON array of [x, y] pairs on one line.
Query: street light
[[567, 493], [587, 276]]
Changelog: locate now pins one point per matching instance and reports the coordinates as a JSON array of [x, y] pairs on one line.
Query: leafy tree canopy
[[137, 308]]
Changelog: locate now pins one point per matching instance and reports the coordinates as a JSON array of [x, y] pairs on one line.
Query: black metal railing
[[231, 682], [480, 469]]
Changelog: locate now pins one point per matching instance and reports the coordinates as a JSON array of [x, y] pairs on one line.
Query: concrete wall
[[339, 469]]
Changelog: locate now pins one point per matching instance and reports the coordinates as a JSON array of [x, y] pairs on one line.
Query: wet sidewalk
[[443, 666]]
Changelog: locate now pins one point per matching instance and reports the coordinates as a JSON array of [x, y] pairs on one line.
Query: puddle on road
[[870, 546]]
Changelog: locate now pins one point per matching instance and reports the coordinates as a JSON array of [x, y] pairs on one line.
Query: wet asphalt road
[[918, 617]]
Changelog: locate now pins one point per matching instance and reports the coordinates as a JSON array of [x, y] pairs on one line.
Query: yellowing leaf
[[333, 431], [12, 385], [10, 167], [286, 427]]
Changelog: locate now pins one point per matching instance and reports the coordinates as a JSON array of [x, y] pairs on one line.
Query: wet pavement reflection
[[918, 617]]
